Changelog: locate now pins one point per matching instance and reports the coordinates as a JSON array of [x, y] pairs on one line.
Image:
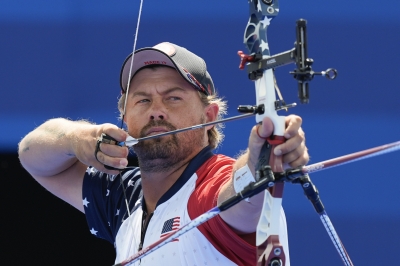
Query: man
[[179, 177]]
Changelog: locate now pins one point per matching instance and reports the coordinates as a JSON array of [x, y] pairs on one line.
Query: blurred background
[[62, 59]]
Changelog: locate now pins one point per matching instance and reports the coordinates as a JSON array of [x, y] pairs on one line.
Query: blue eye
[[175, 98], [143, 100]]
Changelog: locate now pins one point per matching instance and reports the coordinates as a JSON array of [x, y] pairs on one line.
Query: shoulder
[[99, 184], [211, 176], [105, 201], [215, 167], [94, 175]]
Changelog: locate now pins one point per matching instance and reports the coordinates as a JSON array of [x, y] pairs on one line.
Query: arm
[[58, 152], [294, 153]]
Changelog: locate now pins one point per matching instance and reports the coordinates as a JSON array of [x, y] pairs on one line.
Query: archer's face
[[160, 100], [161, 94]]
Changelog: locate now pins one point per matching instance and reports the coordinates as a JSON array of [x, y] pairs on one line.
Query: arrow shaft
[[353, 157], [134, 141]]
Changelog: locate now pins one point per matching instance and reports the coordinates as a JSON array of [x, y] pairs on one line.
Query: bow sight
[[256, 64]]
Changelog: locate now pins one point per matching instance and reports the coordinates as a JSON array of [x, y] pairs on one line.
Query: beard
[[164, 153]]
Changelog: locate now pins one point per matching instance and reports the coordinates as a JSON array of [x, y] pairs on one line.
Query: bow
[[269, 248], [260, 66]]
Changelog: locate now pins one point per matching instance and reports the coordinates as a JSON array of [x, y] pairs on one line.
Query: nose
[[157, 111], [157, 117]]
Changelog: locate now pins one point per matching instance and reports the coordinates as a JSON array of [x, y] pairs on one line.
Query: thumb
[[266, 128], [258, 136]]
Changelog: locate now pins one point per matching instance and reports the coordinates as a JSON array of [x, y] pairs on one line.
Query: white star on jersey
[[94, 232], [131, 182], [91, 171], [85, 202]]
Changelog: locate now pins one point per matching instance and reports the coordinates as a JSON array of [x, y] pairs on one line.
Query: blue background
[[62, 59]]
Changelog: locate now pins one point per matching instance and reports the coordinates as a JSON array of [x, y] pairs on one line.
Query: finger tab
[[108, 139]]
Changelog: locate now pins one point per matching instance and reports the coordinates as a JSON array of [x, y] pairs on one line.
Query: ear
[[211, 113]]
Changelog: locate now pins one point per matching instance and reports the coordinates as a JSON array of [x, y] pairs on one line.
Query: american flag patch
[[170, 225]]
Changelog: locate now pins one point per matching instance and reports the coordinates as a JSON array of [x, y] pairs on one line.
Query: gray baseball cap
[[190, 66]]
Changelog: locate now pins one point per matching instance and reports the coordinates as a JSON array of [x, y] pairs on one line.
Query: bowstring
[[131, 65], [124, 112]]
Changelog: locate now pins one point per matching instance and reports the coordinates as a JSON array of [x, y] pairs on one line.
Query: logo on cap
[[154, 63], [194, 81]]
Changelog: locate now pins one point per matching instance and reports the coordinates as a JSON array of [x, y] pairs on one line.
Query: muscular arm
[[244, 216], [58, 152]]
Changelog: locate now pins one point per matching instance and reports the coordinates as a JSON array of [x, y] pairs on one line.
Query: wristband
[[242, 178]]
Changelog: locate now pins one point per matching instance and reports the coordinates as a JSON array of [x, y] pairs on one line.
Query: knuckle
[[110, 162], [118, 151], [294, 118], [110, 129], [125, 151], [105, 148], [108, 126], [100, 156], [301, 160], [302, 134], [298, 119]]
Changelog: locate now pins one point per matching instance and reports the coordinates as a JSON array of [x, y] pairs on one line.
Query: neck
[[156, 183]]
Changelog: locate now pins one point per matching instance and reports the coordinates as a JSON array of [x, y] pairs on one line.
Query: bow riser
[[269, 247]]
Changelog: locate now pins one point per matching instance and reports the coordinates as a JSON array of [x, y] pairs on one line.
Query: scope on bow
[[256, 63]]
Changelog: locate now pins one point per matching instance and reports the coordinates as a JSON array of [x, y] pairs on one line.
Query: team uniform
[[195, 192]]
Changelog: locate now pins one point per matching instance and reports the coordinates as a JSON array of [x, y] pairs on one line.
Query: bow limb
[[269, 247]]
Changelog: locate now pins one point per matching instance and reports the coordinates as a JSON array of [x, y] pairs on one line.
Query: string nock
[[251, 109], [244, 59]]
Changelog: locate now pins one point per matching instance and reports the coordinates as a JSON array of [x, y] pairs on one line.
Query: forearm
[[243, 216], [50, 149], [293, 152]]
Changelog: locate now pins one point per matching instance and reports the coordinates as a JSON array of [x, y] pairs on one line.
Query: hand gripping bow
[[260, 65]]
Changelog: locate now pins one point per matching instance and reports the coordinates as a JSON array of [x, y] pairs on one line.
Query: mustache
[[157, 123]]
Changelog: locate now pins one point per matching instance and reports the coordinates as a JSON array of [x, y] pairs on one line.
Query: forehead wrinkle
[[173, 89], [165, 92]]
